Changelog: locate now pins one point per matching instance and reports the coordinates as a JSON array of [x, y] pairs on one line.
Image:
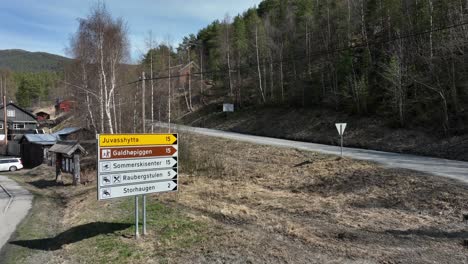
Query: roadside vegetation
[[240, 202], [317, 125]]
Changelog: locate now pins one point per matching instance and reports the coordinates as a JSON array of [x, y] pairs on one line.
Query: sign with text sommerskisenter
[[135, 164]]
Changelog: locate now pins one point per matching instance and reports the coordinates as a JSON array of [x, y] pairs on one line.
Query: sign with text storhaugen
[[135, 164]]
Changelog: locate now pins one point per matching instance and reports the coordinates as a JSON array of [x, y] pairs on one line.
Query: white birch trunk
[[431, 11], [258, 65], [281, 73]]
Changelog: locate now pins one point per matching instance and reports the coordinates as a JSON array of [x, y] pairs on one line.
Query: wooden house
[[63, 106], [19, 121]]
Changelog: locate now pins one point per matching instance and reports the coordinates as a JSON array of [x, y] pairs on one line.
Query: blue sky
[[47, 25]]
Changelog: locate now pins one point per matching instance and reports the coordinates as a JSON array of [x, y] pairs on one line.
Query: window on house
[[11, 113], [1, 125], [18, 126]]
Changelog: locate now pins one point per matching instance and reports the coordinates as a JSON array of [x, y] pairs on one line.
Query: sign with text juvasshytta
[[134, 164]]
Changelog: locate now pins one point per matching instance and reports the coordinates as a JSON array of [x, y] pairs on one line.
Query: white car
[[10, 164]]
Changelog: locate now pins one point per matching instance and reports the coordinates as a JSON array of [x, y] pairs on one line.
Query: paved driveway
[[15, 203]]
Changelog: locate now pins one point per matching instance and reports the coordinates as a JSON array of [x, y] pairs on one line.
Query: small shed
[[67, 159], [34, 149]]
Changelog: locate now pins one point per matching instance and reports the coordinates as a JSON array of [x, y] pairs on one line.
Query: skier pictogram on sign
[[106, 193], [106, 166], [106, 180]]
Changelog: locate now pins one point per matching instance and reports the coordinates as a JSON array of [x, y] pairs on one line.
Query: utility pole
[[152, 84], [143, 102], [5, 123], [169, 93], [1, 87], [190, 79]]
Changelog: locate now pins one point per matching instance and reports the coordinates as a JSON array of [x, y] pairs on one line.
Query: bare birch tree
[[100, 46]]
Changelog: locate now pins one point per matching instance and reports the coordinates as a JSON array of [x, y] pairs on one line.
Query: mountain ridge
[[19, 60]]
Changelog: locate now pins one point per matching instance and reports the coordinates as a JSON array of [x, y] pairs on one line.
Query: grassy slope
[[67, 224], [25, 61], [317, 126], [241, 203]]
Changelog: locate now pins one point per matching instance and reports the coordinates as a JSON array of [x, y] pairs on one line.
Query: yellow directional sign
[[118, 140]]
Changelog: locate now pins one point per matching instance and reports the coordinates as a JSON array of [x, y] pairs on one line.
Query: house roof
[[22, 109], [48, 110], [67, 131], [67, 147], [188, 64], [41, 139]]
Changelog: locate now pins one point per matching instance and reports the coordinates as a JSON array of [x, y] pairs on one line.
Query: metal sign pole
[[137, 233], [341, 128], [144, 214], [342, 145]]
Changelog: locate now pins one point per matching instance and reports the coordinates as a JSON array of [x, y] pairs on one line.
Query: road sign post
[[137, 233], [137, 164], [341, 128]]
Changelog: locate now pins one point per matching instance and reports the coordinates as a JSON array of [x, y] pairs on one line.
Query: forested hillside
[[30, 89], [31, 78], [25, 61], [403, 61]]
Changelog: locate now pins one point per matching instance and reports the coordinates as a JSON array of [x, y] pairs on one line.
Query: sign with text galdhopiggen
[[137, 152], [134, 164]]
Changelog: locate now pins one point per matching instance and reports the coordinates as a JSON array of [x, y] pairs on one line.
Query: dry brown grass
[[261, 204], [284, 205]]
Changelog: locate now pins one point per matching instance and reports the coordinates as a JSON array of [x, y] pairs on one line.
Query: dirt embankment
[[318, 126]]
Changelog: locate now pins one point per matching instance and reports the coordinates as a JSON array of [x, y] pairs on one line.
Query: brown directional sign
[[136, 152]]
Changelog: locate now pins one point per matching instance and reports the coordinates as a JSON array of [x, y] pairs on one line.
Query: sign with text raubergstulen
[[135, 164]]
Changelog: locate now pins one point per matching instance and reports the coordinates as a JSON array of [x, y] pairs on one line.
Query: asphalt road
[[15, 203], [441, 167]]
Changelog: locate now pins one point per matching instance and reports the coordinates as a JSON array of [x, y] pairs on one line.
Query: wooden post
[[76, 169], [58, 168]]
